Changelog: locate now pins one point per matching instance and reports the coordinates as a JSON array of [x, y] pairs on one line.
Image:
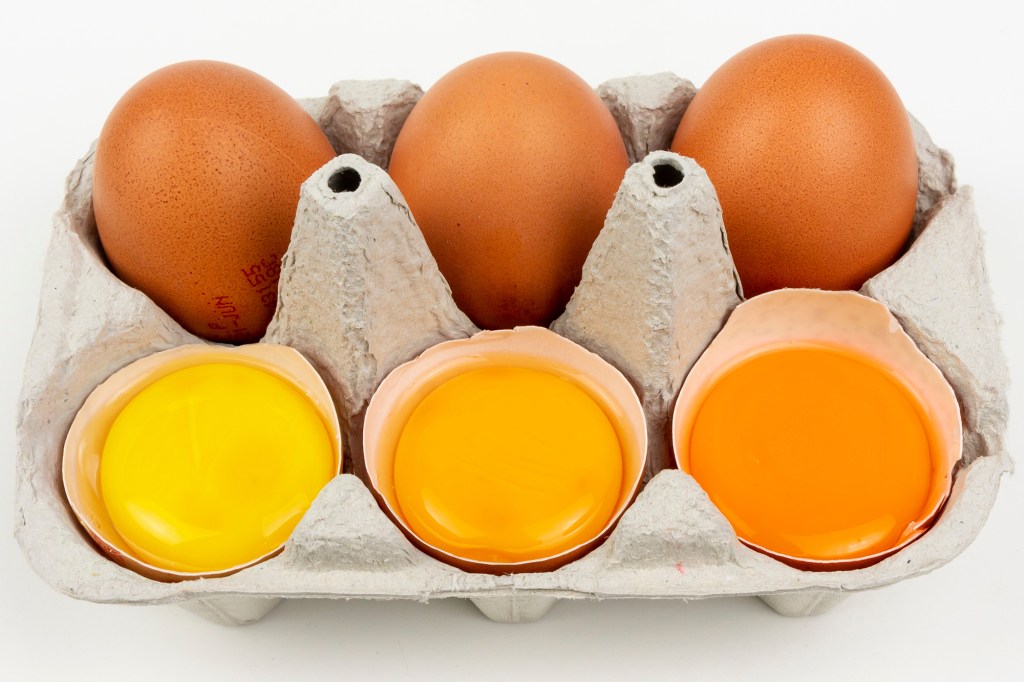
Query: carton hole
[[667, 175], [344, 180]]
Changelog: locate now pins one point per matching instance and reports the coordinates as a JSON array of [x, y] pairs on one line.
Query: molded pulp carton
[[361, 294]]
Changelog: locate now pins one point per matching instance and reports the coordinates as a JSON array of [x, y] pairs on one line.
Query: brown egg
[[197, 177], [509, 164], [810, 150]]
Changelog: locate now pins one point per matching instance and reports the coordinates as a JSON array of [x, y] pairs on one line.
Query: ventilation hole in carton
[[344, 180], [667, 175]]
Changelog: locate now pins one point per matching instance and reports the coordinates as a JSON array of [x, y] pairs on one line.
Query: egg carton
[[361, 294]]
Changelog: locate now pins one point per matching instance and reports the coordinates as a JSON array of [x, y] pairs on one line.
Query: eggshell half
[[845, 321], [530, 347], [83, 447]]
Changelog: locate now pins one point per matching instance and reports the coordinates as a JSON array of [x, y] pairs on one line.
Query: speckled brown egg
[[811, 152], [509, 165], [197, 176]]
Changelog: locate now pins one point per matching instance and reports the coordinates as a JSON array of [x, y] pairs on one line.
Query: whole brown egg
[[509, 165], [196, 181], [811, 152]]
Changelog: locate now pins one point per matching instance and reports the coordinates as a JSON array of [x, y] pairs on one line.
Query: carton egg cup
[[360, 294]]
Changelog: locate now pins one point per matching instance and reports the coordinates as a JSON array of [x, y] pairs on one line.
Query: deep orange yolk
[[212, 466], [813, 453], [507, 464]]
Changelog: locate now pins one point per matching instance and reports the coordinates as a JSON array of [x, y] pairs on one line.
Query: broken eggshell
[[529, 347], [843, 321], [83, 447]]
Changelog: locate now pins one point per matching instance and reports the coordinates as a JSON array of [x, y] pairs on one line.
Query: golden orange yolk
[[813, 453], [212, 466], [507, 464]]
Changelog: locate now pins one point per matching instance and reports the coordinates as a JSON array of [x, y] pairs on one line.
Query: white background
[[957, 67]]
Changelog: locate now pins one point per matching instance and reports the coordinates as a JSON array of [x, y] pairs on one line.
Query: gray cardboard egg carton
[[360, 294]]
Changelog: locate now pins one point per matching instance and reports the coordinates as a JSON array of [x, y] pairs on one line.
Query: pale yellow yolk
[[212, 466], [507, 464], [813, 453]]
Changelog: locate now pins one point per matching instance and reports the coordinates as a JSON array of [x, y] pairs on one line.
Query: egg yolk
[[813, 453], [212, 466], [507, 464]]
